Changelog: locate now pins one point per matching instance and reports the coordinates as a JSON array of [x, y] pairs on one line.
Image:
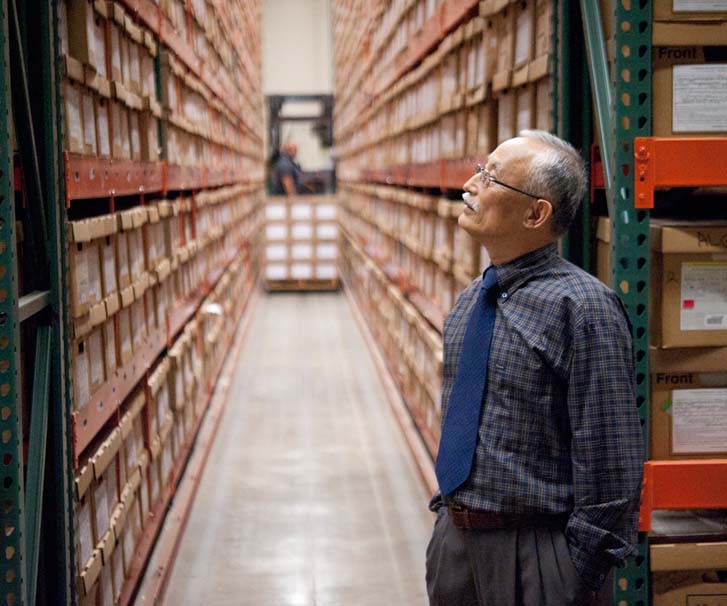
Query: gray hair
[[559, 175]]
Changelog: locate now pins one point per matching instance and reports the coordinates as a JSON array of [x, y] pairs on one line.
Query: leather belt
[[466, 519]]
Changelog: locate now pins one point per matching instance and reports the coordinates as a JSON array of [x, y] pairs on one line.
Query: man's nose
[[471, 182]]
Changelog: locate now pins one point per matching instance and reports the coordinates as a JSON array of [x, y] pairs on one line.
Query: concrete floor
[[309, 497]]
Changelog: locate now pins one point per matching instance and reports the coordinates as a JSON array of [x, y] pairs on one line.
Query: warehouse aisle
[[309, 496]]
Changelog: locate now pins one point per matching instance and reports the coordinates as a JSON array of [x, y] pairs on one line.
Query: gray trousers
[[511, 567]]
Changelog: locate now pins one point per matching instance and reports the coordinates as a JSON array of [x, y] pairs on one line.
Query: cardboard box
[[543, 39], [135, 136], [132, 434], [89, 122], [121, 148], [524, 44], [603, 250], [115, 36], [103, 131], [73, 118], [84, 529], [543, 105], [160, 403], [149, 128], [689, 284], [124, 337], [688, 403], [97, 375], [82, 38], [506, 115], [688, 588], [689, 98], [109, 342], [505, 48], [525, 107]]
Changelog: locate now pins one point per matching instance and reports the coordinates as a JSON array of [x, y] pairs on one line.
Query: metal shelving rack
[[36, 493]]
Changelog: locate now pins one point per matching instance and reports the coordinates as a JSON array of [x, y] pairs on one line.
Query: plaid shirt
[[559, 430]]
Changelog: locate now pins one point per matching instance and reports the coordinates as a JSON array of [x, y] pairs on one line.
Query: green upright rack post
[[630, 233], [623, 110], [12, 512]]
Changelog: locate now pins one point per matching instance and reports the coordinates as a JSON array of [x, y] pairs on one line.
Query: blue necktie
[[462, 421]]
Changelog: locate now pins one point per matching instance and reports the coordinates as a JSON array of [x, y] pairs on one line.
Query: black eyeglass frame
[[486, 176]]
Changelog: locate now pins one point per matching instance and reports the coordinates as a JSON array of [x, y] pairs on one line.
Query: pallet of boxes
[[688, 311], [301, 243]]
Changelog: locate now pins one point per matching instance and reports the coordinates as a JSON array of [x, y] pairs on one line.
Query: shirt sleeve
[[606, 446]]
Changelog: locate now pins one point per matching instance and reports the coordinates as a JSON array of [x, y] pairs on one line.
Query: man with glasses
[[540, 459]]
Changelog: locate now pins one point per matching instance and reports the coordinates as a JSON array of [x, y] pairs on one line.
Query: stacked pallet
[[430, 90], [301, 250], [162, 110]]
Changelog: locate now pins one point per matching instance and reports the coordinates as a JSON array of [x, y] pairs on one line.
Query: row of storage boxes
[[463, 132], [291, 269], [508, 46], [110, 103], [412, 348], [688, 334], [123, 288], [440, 282], [300, 209], [119, 487]]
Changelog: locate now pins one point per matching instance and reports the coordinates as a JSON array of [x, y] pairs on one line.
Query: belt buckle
[[462, 514]]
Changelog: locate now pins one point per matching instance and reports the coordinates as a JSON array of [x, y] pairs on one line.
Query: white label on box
[[134, 131], [327, 231], [89, 123], [134, 67], [302, 231], [73, 114], [276, 271], [95, 352], [523, 38], [704, 296], [109, 267], [275, 212], [275, 252], [100, 500], [94, 272], [699, 420], [301, 211], [118, 566], [301, 251], [326, 271], [326, 211], [699, 98], [80, 376], [276, 232], [301, 271], [99, 35], [80, 272], [112, 496], [326, 251], [680, 6], [125, 331], [84, 530], [104, 140], [110, 336]]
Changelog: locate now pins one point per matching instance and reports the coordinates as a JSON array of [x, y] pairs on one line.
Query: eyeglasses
[[487, 178]]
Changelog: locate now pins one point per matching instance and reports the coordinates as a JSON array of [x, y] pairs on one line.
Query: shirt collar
[[514, 273]]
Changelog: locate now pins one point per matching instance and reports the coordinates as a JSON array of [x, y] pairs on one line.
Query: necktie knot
[[489, 280]]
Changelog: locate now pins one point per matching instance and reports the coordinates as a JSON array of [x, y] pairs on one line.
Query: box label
[[109, 268], [699, 98], [704, 296], [96, 355], [694, 6], [81, 378], [699, 420]]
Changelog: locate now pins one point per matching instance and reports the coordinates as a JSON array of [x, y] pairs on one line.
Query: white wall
[[297, 59]]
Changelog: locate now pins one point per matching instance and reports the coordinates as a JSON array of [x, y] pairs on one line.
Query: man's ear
[[538, 214]]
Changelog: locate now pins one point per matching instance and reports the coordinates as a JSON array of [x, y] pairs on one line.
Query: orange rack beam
[[91, 177], [682, 485], [671, 162]]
